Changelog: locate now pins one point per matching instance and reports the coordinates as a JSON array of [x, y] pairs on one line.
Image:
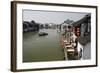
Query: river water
[[42, 48]]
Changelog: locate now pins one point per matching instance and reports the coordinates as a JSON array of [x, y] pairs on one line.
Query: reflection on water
[[42, 48]]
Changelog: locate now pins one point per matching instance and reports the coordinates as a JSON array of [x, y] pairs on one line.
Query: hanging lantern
[[78, 31]]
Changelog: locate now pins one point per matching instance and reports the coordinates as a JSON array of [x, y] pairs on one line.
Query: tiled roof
[[79, 22]]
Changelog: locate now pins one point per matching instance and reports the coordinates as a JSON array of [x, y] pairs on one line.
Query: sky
[[56, 17]]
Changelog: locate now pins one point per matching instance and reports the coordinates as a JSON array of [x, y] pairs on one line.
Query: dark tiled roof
[[79, 22]]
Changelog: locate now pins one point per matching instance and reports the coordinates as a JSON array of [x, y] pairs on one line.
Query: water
[[42, 48]]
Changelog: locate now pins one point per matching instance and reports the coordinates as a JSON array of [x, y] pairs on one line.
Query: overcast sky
[[51, 16]]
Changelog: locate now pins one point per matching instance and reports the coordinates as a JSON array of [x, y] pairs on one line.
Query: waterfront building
[[30, 26], [82, 30]]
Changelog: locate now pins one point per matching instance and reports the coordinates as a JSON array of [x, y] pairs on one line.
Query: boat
[[43, 34]]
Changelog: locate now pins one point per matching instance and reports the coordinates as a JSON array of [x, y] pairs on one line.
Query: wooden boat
[[43, 34]]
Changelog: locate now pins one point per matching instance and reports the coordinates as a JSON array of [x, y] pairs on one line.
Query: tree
[[33, 21]]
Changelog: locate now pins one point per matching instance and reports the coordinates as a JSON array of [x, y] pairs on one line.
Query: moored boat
[[43, 34]]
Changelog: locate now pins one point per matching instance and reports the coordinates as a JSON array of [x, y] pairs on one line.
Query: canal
[[42, 48]]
